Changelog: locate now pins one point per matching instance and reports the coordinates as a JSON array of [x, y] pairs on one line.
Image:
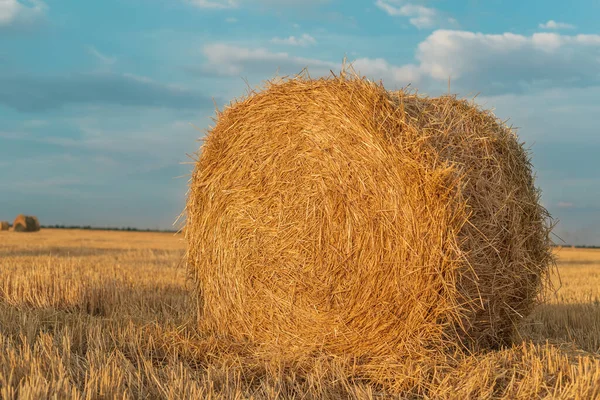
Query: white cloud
[[420, 16], [223, 4], [304, 40], [13, 12], [547, 42], [8, 11], [556, 25], [490, 64], [225, 59], [292, 3], [564, 204], [100, 56], [214, 4], [230, 60], [508, 62], [379, 68]]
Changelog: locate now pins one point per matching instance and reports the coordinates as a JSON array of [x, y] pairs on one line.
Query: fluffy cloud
[[379, 68], [30, 94], [420, 16], [224, 59], [290, 3], [509, 62], [304, 40], [222, 4], [556, 25], [214, 4], [14, 13], [564, 204], [229, 60], [492, 64]]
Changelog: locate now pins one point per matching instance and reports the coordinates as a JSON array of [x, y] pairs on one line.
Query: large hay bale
[[4, 226], [26, 223], [333, 215]]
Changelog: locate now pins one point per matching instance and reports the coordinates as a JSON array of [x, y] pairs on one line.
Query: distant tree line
[[97, 228], [130, 229], [577, 246]]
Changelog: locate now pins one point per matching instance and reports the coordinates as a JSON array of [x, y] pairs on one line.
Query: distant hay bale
[[26, 223], [332, 215], [4, 226]]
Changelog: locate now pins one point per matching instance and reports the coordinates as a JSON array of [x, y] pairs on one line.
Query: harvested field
[[91, 314]]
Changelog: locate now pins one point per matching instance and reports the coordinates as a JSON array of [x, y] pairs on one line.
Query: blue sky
[[100, 102]]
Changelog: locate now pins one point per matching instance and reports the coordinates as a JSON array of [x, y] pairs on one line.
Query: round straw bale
[[26, 223], [4, 226], [333, 215]]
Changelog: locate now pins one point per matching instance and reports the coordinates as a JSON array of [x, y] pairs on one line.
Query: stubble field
[[103, 315]]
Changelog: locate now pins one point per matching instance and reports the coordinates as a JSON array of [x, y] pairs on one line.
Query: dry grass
[[99, 315]]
